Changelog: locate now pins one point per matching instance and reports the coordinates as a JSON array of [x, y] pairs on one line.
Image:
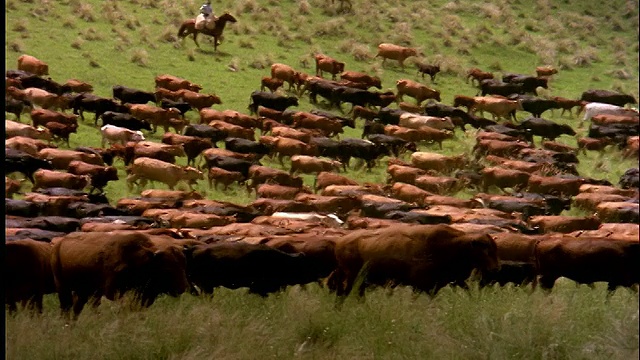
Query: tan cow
[[416, 90], [284, 72], [155, 170], [395, 52], [33, 65], [60, 159], [499, 108], [313, 165], [175, 83], [13, 128], [48, 179], [158, 116], [437, 162]]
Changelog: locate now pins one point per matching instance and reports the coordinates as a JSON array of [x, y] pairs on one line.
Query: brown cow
[[617, 211], [405, 174], [415, 90], [27, 144], [409, 193], [285, 73], [478, 75], [11, 187], [233, 130], [60, 159], [28, 262], [564, 224], [48, 179], [438, 184], [439, 163], [586, 261], [217, 175], [546, 70], [100, 175], [33, 65], [42, 116], [340, 205], [78, 86], [554, 185], [280, 192], [359, 77], [284, 131], [587, 143], [499, 108], [328, 64], [155, 170], [270, 83], [465, 101], [519, 165], [416, 135], [199, 101], [313, 165], [568, 104], [422, 256], [157, 116], [325, 178], [504, 178], [290, 147], [263, 174], [193, 146], [395, 52], [174, 83], [590, 201]]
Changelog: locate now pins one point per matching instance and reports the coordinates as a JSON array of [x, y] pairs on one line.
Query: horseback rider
[[206, 17]]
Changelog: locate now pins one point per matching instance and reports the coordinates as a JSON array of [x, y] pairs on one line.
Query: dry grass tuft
[[495, 66], [169, 35], [91, 34], [140, 57], [402, 34], [84, 11], [69, 22], [333, 27], [77, 43], [621, 74], [191, 55], [94, 64], [247, 7], [246, 43], [285, 38], [304, 8], [122, 35], [263, 61], [21, 26], [16, 46], [234, 64], [584, 57]]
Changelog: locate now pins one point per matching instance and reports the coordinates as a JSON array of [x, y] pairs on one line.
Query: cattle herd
[[65, 237]]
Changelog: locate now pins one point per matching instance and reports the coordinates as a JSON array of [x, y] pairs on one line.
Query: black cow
[[182, 106], [18, 74], [630, 179], [492, 87], [261, 268], [372, 127], [132, 96], [362, 149], [322, 88], [96, 104], [19, 161], [545, 128], [205, 131], [554, 205], [390, 116], [327, 147], [535, 106], [395, 144], [517, 273], [343, 120], [229, 164], [124, 120], [379, 209], [428, 69], [417, 218], [271, 101], [608, 97], [457, 116], [82, 210], [50, 223], [514, 131], [245, 146], [35, 234], [529, 83], [17, 107], [617, 132], [44, 84], [21, 208], [527, 209], [105, 154], [59, 191]]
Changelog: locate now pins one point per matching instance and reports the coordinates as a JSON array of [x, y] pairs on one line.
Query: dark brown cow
[[31, 278]]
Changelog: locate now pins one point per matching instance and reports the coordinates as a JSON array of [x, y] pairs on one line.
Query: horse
[[188, 27]]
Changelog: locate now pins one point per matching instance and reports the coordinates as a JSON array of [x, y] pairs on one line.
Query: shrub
[[140, 57], [20, 25], [77, 43]]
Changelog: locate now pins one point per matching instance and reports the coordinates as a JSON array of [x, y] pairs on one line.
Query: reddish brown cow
[[568, 104], [416, 135], [359, 77], [312, 165], [290, 147], [48, 179], [395, 52], [280, 192], [415, 90], [554, 185], [28, 262], [478, 75], [78, 86], [564, 224], [328, 64], [465, 101], [270, 83], [193, 146], [440, 185], [588, 143], [409, 193], [285, 73], [504, 178], [100, 175], [263, 174], [324, 179], [60, 159], [42, 116], [199, 101], [174, 83]]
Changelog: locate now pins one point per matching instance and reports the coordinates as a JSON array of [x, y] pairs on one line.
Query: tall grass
[[571, 323]]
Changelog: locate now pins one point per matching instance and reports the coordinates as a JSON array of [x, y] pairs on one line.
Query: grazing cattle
[[499, 108], [608, 97], [199, 101], [325, 178], [32, 65], [78, 86], [363, 78], [48, 179], [261, 268], [132, 96], [97, 105], [174, 83], [13, 129], [193, 146], [100, 175], [596, 108], [270, 83], [428, 69], [31, 277], [413, 121], [157, 116], [312, 165], [425, 257], [395, 52], [504, 178], [478, 75], [115, 134], [416, 90], [545, 128], [17, 107], [423, 134], [205, 131], [155, 170], [60, 159], [272, 101], [284, 73], [328, 64], [217, 175], [92, 265], [124, 121], [630, 179], [279, 192], [61, 132], [586, 261], [568, 104], [440, 163]]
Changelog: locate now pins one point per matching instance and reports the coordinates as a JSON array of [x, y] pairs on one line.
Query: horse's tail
[[182, 32]]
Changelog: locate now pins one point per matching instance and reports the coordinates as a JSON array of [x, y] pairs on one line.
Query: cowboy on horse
[[206, 18]]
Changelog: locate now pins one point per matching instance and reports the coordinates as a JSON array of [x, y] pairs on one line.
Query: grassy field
[[128, 43]]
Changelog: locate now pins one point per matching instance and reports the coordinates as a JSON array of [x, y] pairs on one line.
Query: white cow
[[329, 220], [114, 134], [414, 121], [595, 108]]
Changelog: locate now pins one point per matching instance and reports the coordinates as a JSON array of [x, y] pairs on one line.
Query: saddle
[[208, 22]]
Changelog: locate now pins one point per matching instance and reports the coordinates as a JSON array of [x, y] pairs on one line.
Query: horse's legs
[[215, 43], [195, 38]]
